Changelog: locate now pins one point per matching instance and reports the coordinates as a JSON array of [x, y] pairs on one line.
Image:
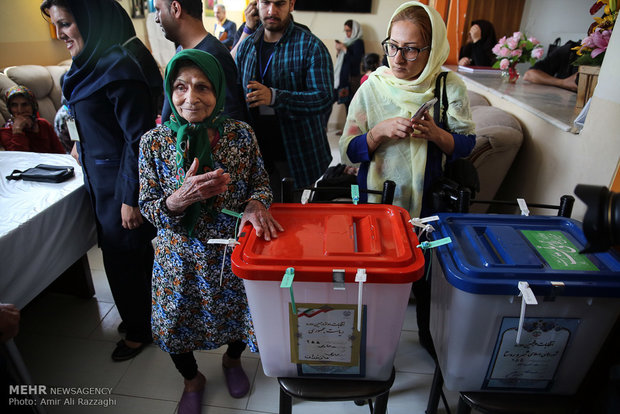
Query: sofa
[[498, 138], [44, 81]]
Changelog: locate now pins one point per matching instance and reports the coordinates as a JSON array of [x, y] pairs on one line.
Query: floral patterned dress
[[191, 310]]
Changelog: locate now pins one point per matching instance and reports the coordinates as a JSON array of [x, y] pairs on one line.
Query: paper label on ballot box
[[533, 362], [325, 340]]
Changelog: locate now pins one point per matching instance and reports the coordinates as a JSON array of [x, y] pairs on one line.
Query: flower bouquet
[[516, 49], [592, 49]]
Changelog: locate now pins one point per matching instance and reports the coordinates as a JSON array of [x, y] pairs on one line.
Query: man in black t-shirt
[[556, 68], [182, 24]]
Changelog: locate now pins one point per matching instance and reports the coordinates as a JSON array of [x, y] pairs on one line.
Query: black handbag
[[552, 46], [459, 174], [43, 173]]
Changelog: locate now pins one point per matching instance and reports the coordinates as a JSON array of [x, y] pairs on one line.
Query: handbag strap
[[442, 98], [15, 175]]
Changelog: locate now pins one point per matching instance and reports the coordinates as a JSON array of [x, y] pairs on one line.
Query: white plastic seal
[[528, 298], [360, 277]]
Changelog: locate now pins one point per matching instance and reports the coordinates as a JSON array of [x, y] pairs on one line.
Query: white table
[[45, 228]]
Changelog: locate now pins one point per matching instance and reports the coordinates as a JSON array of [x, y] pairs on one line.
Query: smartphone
[[418, 114]]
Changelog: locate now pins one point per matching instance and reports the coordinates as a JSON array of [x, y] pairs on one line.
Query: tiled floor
[[66, 342]]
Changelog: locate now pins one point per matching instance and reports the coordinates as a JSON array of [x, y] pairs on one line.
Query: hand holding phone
[[426, 106]]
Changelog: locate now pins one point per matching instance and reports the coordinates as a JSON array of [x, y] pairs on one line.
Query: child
[[370, 62]]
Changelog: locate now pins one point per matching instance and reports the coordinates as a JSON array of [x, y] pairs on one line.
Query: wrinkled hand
[[9, 321], [197, 188], [260, 95], [251, 15], [261, 219], [130, 217]]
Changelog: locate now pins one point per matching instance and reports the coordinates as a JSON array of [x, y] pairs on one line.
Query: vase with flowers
[[593, 47], [516, 49]]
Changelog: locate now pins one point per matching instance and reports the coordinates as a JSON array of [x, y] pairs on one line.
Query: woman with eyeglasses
[[379, 132]]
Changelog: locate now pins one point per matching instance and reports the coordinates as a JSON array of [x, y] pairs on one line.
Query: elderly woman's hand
[[430, 131], [197, 188], [265, 225]]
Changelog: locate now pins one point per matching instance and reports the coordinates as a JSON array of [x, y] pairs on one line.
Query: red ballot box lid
[[320, 238]]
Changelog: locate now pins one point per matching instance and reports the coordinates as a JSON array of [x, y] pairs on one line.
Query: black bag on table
[[44, 173]]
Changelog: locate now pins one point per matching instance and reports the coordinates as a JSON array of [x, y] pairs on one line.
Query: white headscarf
[[383, 96], [356, 33]]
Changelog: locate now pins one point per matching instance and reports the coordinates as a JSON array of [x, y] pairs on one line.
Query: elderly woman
[[379, 133], [24, 131], [191, 168]]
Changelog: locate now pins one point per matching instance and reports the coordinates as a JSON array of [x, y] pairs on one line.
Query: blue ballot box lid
[[490, 254]]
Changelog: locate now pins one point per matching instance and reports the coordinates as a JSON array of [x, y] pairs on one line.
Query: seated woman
[[479, 50], [191, 168], [25, 131], [380, 135]]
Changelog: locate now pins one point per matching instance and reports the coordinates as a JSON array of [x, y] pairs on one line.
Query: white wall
[[549, 19], [330, 26]]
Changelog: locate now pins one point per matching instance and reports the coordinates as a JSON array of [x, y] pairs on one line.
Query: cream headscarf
[[384, 96], [356, 33]]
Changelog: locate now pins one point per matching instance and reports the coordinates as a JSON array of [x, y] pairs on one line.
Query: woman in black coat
[[110, 89], [479, 51]]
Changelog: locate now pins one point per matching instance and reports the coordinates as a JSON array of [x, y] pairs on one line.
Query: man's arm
[[251, 23], [542, 78]]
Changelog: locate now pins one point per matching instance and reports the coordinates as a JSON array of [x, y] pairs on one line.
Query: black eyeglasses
[[407, 52]]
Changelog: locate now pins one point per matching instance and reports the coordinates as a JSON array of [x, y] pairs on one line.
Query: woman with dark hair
[[370, 63], [25, 131], [479, 50], [347, 67], [110, 91]]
